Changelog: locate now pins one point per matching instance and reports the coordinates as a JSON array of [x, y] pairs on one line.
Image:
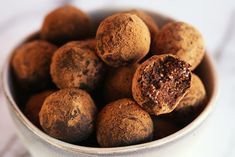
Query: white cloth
[[212, 17]]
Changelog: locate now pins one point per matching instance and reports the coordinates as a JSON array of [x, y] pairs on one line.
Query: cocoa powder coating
[[122, 123], [31, 63], [68, 115], [182, 40], [122, 39], [75, 66], [65, 24]]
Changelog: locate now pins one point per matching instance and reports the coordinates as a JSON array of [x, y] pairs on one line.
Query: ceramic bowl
[[40, 144]]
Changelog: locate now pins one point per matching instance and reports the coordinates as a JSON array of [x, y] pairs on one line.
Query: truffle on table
[[118, 83], [182, 40], [34, 105], [31, 64], [122, 39], [75, 66], [123, 123], [160, 83], [65, 24], [192, 103], [68, 115]]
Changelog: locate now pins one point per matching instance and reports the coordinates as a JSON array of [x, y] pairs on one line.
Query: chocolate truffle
[[31, 63], [65, 24], [163, 128], [34, 105], [149, 21], [123, 123], [118, 83], [68, 115], [160, 83], [122, 39], [74, 66], [192, 103], [182, 40]]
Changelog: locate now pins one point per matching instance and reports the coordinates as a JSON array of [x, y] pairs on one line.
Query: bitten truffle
[[122, 39], [149, 21], [31, 64], [122, 123], [65, 24], [68, 115], [163, 128], [34, 105], [118, 83], [160, 83], [75, 66], [192, 103], [182, 40]]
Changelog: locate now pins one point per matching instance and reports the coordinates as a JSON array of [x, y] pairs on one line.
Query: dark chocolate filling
[[164, 82]]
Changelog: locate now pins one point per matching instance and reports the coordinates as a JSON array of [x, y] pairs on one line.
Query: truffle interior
[[165, 81]]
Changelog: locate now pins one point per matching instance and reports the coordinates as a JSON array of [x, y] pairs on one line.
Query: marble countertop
[[214, 18]]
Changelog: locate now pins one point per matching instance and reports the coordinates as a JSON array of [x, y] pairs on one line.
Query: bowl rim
[[114, 150]]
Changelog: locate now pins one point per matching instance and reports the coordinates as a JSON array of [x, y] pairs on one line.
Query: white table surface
[[214, 18]]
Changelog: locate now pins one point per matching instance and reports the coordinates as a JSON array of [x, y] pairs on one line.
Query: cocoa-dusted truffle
[[160, 83], [34, 105], [68, 115], [118, 83], [192, 103], [122, 39], [73, 66], [31, 63], [183, 40], [65, 24], [122, 123], [148, 20], [163, 128]]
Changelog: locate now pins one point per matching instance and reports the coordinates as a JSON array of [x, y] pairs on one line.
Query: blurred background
[[214, 18]]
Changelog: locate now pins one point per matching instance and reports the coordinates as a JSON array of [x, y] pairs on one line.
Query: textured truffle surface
[[122, 39], [118, 83], [182, 40], [31, 63], [65, 24], [160, 83], [34, 105], [122, 123], [75, 66], [68, 115]]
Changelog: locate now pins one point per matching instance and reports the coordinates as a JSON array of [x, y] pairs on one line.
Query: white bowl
[[40, 144]]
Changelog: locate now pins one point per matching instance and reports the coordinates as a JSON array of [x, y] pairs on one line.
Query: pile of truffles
[[131, 82]]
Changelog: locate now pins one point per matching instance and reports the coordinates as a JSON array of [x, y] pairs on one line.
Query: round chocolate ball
[[118, 83], [182, 40], [122, 39], [31, 64], [160, 83], [75, 66], [68, 115], [123, 123], [65, 24]]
